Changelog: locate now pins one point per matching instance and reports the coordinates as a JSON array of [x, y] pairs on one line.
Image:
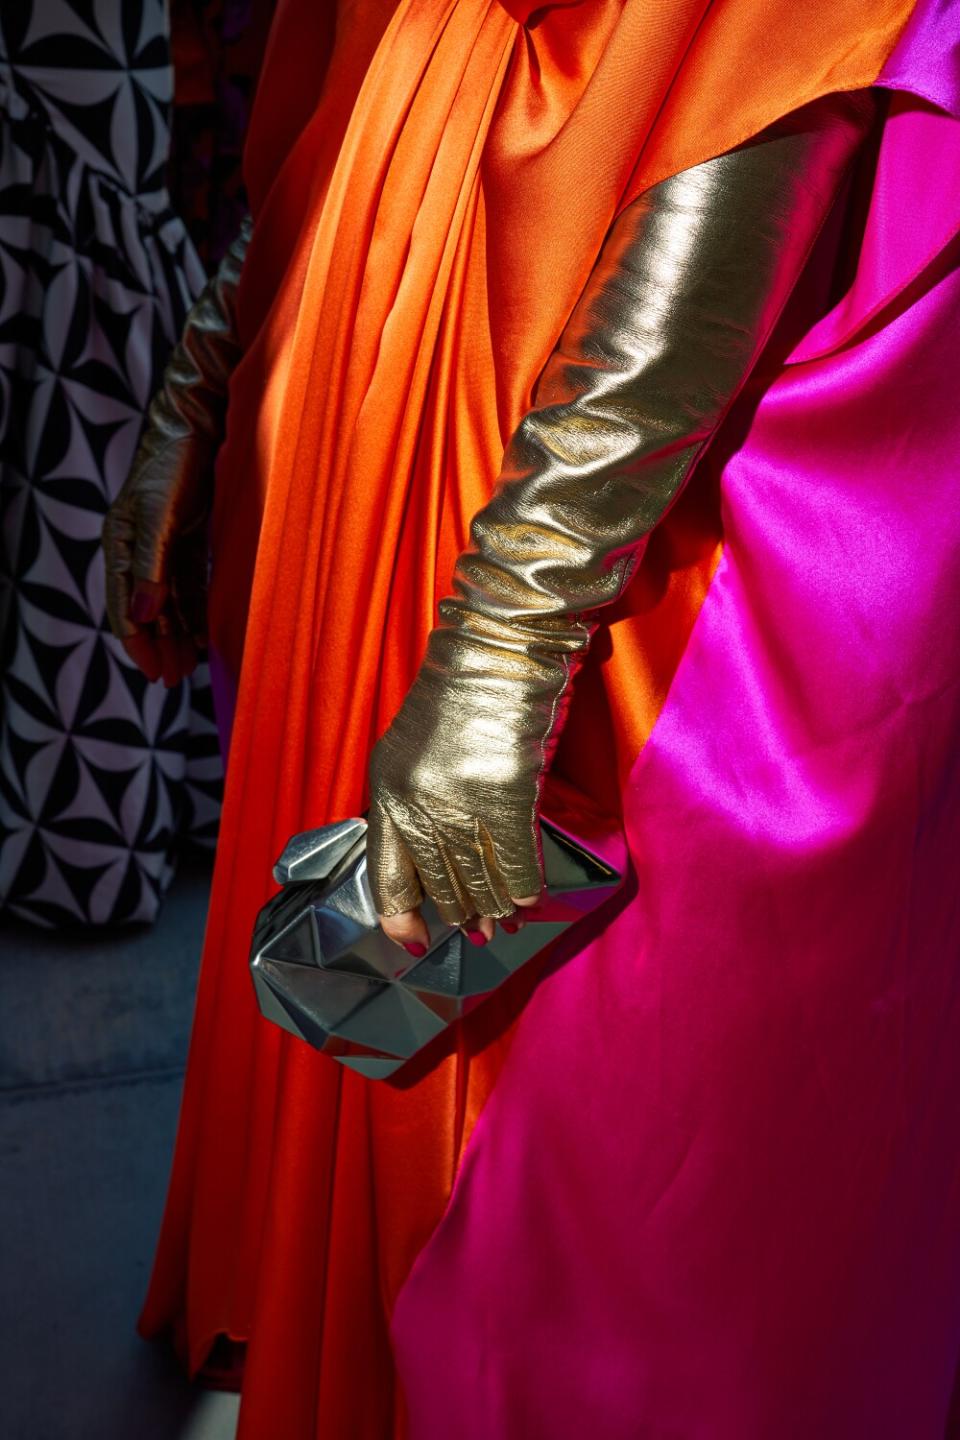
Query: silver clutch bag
[[324, 970]]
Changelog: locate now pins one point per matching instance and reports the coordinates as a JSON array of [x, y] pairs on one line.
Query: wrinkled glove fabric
[[156, 528], [688, 286]]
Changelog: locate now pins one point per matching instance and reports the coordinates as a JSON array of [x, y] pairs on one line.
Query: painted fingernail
[[414, 948], [476, 937], [510, 927], [141, 608]]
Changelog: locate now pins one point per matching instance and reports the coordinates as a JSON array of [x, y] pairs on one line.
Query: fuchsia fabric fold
[[715, 1194]]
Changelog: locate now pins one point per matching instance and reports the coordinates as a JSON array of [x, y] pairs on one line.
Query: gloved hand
[[686, 291], [155, 532]]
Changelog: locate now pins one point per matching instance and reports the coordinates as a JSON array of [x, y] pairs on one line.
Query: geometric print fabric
[[100, 771]]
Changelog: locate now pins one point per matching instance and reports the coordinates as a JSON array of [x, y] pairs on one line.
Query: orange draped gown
[[431, 184]]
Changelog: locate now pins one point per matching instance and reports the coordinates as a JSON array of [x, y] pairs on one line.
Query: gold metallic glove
[[688, 286], [155, 530]]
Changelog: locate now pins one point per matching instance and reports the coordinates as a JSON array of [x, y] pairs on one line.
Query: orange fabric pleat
[[422, 232]]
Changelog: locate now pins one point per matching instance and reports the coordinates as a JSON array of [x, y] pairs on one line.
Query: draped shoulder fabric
[[716, 1191], [429, 201]]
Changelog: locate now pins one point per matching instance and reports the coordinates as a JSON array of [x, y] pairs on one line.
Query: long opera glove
[[156, 527], [689, 284]]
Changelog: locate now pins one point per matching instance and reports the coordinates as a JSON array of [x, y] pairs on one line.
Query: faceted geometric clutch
[[325, 971]]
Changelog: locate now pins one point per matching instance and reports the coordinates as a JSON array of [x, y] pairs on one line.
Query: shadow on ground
[[93, 1036]]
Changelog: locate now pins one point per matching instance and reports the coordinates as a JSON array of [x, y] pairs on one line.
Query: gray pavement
[[93, 1035]]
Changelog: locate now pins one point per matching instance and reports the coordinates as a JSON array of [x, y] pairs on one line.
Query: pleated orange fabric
[[423, 228]]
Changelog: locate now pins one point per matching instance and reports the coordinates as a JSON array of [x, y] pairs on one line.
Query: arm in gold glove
[[689, 284], [155, 532]]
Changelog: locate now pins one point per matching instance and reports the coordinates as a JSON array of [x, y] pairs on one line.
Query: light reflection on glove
[[686, 291], [155, 532]]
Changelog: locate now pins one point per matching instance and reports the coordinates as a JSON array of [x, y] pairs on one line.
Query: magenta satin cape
[[716, 1192]]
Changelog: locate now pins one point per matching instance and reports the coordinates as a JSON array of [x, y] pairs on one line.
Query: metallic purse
[[324, 970]]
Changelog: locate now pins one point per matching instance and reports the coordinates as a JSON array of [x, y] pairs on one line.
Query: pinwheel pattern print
[[99, 770]]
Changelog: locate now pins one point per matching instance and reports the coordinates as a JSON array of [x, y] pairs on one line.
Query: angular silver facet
[[393, 1022], [314, 854], [297, 943], [324, 970], [370, 1066]]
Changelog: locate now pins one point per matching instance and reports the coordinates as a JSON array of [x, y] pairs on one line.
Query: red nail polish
[[414, 948], [509, 926], [476, 937], [141, 609]]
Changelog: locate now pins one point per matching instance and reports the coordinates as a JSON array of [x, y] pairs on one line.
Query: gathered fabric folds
[[716, 1190], [428, 205]]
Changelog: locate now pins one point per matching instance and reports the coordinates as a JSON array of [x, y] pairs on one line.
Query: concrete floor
[[93, 1034]]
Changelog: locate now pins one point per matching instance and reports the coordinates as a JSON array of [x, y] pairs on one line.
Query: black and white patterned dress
[[99, 770]]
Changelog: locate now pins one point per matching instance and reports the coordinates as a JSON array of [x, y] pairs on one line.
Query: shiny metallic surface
[[682, 299], [156, 528], [313, 854], [325, 971]]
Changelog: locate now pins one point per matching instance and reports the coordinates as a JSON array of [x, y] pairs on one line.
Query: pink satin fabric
[[716, 1192]]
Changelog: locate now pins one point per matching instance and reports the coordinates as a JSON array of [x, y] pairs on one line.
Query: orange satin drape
[[423, 228]]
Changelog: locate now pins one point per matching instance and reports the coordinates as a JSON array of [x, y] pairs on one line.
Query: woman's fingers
[[517, 921], [394, 882], [408, 929], [161, 650], [143, 646], [146, 601], [142, 649], [462, 879], [155, 643], [481, 884], [479, 929]]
